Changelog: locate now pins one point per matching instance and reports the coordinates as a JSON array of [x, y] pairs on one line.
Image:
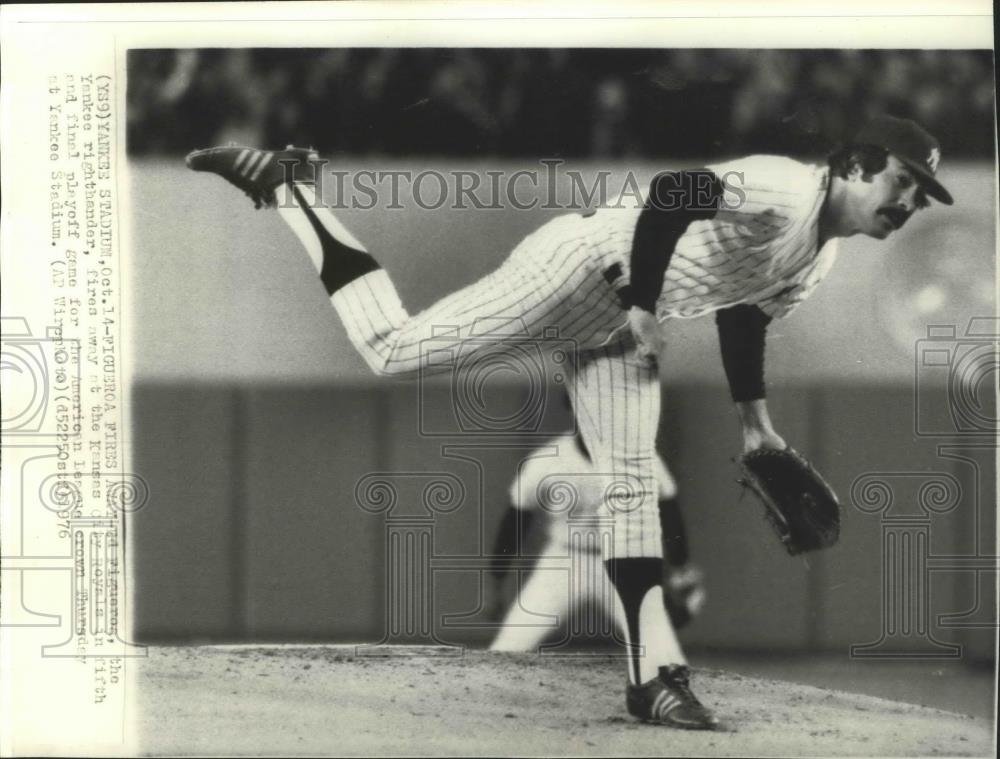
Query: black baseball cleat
[[667, 700], [258, 173]]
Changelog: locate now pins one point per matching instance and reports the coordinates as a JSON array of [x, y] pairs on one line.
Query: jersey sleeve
[[762, 195], [676, 199], [788, 298]]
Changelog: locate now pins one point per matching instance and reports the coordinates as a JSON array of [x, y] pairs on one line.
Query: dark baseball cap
[[912, 145]]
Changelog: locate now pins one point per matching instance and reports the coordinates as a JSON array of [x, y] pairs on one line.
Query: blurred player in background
[[552, 489]]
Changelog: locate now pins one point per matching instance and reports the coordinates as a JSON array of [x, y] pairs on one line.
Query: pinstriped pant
[[551, 287]]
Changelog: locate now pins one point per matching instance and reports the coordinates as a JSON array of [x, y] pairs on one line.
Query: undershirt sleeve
[[676, 198], [742, 331]]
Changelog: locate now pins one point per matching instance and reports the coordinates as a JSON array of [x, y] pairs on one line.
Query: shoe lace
[[678, 679]]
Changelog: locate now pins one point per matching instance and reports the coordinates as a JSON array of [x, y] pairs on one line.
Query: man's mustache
[[897, 216]]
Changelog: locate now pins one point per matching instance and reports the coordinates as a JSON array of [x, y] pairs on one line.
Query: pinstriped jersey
[[760, 248]]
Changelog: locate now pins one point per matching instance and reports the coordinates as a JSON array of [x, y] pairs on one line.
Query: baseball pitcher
[[746, 240]]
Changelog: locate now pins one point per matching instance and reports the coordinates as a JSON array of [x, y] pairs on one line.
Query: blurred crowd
[[552, 102]]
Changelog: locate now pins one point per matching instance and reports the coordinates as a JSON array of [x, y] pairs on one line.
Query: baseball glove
[[799, 504]]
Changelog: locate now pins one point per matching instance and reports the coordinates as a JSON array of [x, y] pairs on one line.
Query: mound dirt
[[323, 700]]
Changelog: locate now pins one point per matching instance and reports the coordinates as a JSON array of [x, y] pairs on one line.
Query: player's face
[[886, 201]]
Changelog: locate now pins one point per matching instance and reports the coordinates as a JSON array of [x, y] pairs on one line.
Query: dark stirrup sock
[[342, 263], [675, 545], [633, 579]]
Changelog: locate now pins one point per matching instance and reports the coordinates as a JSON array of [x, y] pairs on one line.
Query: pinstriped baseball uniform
[[760, 249], [560, 481]]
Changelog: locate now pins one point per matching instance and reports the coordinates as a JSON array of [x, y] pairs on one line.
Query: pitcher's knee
[[384, 366], [384, 357]]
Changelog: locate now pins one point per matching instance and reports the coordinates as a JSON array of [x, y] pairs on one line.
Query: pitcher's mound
[[274, 700]]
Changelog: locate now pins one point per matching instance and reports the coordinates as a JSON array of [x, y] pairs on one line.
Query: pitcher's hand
[[648, 335]]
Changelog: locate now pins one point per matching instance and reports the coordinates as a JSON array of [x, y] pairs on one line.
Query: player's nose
[[907, 200]]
